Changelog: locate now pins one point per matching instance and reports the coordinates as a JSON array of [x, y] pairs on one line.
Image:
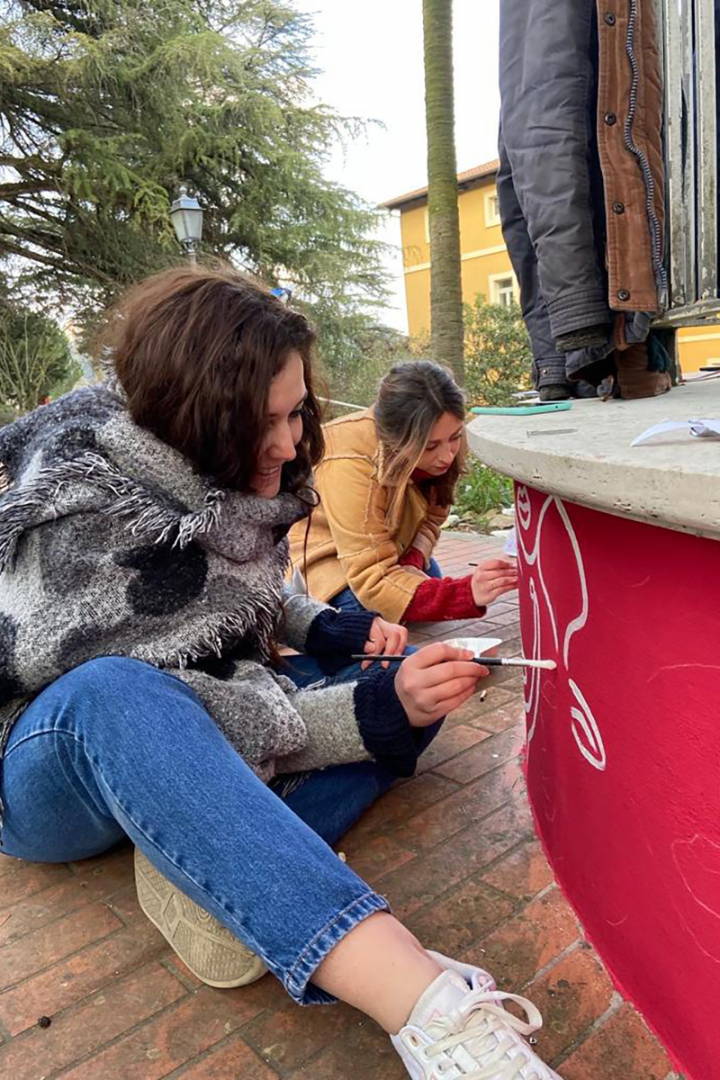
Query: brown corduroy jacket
[[632, 166]]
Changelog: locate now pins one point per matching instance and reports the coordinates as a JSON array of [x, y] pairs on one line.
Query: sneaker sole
[[203, 944]]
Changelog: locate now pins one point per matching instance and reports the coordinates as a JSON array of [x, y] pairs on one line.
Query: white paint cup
[[478, 646]]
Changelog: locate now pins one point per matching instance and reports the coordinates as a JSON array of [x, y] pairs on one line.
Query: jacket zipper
[[661, 277]]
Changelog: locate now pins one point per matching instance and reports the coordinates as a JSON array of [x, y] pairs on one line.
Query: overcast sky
[[371, 58]]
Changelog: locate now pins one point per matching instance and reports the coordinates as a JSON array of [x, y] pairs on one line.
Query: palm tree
[[446, 310]]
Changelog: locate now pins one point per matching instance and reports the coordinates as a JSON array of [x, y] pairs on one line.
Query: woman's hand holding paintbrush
[[438, 679], [435, 681]]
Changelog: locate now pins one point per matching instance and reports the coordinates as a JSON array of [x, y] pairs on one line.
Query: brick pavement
[[454, 851]]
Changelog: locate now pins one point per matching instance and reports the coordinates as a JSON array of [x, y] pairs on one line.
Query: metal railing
[[691, 155]]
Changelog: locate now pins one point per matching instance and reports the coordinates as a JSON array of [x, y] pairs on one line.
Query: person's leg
[[434, 570], [48, 816], [306, 671], [331, 800], [117, 747], [346, 601]]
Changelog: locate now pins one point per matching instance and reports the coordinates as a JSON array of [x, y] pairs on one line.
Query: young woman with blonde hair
[[386, 484]]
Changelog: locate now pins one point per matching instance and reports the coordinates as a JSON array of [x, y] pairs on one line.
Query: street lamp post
[[187, 217]]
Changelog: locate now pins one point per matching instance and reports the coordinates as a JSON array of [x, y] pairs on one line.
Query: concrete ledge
[[584, 455]]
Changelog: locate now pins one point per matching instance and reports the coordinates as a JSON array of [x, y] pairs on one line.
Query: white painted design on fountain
[[584, 726], [594, 750]]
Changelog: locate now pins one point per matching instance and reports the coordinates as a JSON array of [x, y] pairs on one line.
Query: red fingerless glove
[[443, 599]]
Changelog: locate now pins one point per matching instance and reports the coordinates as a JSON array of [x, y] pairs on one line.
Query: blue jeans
[[348, 601], [118, 748]]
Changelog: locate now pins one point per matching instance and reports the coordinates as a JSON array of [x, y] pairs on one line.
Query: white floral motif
[[584, 726]]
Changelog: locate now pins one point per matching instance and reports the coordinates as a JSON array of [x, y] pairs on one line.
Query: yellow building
[[486, 265]]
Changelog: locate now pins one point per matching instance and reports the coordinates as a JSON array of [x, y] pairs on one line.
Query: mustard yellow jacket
[[350, 541]]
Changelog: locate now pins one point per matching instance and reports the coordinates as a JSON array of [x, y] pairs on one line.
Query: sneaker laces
[[493, 1032]]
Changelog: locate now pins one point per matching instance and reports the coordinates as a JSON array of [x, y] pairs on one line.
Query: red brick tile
[[509, 678], [79, 976], [53, 943], [291, 1035], [511, 646], [453, 923], [527, 942], [453, 739], [61, 899], [126, 906], [174, 964], [157, 1048], [398, 803], [523, 874], [511, 714], [84, 1029], [622, 1046], [362, 1053], [502, 605], [9, 864], [19, 879], [474, 708], [378, 857], [443, 631], [572, 996], [487, 755], [266, 993], [419, 882], [507, 620], [468, 628], [470, 804], [234, 1061]]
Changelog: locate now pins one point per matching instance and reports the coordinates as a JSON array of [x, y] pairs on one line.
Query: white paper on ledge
[[510, 545], [701, 429]]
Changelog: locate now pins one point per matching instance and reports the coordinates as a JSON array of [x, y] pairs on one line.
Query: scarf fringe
[[25, 507], [261, 618]]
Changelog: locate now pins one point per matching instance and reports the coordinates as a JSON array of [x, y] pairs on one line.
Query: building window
[[492, 209], [503, 290], [427, 225]]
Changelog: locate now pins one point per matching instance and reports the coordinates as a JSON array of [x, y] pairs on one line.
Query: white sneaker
[[459, 1030]]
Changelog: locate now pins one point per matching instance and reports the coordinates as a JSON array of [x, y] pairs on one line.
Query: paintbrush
[[485, 661]]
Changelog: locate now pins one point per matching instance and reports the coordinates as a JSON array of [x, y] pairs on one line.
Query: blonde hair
[[411, 399]]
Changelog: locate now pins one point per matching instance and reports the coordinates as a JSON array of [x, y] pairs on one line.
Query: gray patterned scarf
[[111, 545]]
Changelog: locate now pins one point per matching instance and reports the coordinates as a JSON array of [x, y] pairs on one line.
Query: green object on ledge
[[523, 410]]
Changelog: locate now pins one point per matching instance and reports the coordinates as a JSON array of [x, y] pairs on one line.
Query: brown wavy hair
[[413, 395], [195, 349]]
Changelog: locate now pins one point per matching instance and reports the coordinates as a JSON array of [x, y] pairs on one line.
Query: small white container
[[479, 646]]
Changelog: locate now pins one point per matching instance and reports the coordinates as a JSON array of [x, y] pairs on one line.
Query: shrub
[[498, 357]]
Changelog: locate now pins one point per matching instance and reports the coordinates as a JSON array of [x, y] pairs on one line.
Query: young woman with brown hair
[[386, 484], [142, 555]]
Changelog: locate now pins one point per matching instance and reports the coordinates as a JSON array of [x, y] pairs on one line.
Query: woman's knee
[[118, 675], [116, 688]]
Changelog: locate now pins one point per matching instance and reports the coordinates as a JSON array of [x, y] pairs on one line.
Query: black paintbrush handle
[[486, 661]]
